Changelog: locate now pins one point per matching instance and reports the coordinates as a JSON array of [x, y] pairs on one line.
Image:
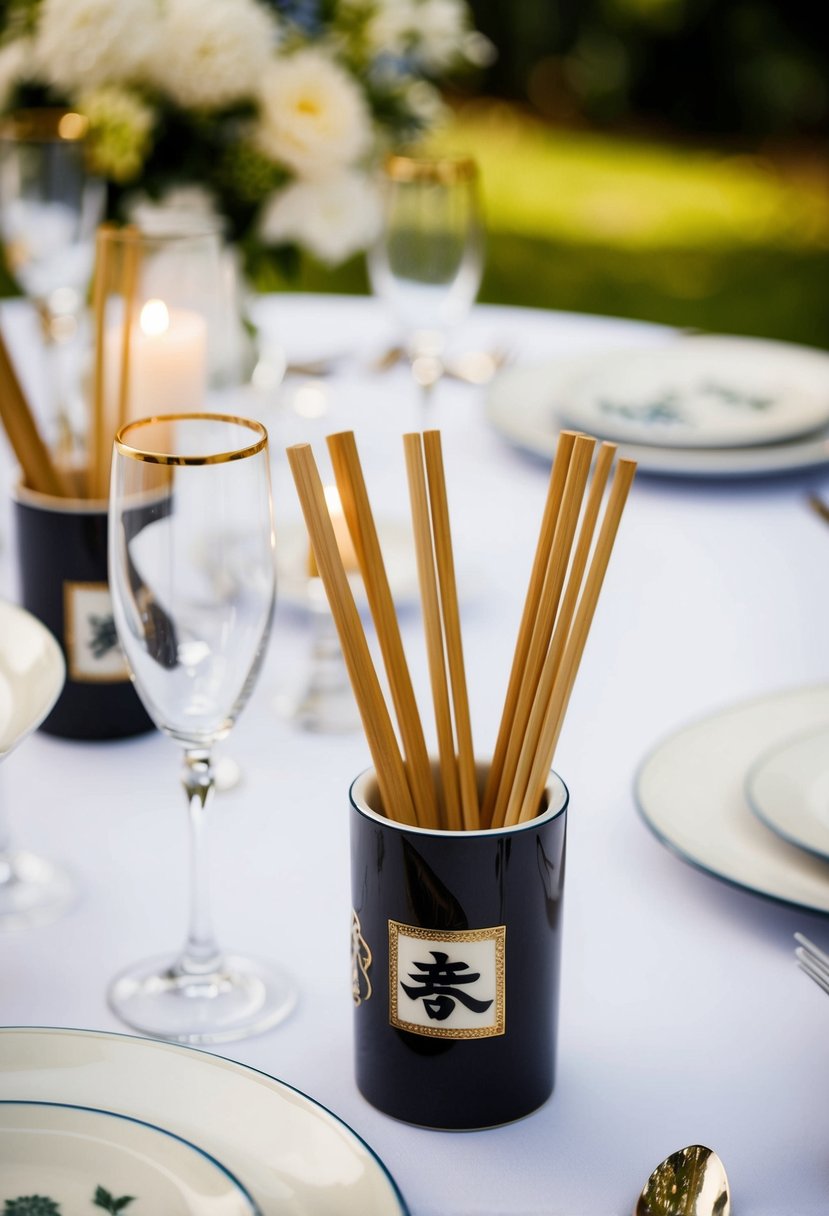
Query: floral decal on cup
[[92, 647], [361, 959]]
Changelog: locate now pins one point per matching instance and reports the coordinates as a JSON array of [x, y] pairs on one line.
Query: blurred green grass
[[619, 226]]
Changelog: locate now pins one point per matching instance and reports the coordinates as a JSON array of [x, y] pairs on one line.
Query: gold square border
[[497, 933], [83, 677]]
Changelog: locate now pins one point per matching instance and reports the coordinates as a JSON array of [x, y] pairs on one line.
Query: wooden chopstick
[[382, 742], [549, 600], [574, 649], [424, 549], [552, 661], [452, 628], [129, 283], [36, 464], [97, 430], [357, 509], [552, 505]]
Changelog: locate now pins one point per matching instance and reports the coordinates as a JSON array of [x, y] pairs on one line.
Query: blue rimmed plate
[[291, 1154], [79, 1159], [690, 792], [788, 790]]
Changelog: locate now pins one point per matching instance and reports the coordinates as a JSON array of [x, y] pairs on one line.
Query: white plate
[[690, 793], [32, 672], [703, 392], [788, 789], [396, 544], [68, 1154], [524, 405], [294, 1157]]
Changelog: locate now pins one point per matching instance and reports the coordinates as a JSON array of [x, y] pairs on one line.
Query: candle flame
[[155, 318], [332, 501]]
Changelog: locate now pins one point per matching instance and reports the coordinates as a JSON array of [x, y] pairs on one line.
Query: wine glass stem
[[201, 955]]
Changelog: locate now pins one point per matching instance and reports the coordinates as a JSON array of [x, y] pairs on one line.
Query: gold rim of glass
[[46, 125], [443, 169], [127, 449]]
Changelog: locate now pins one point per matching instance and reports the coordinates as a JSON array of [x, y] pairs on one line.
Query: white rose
[[86, 43], [333, 217], [313, 116], [212, 53]]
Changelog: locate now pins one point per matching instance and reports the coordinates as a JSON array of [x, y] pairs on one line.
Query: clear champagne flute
[[50, 206], [192, 577], [427, 261]]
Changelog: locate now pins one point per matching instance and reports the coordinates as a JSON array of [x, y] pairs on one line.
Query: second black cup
[[62, 559]]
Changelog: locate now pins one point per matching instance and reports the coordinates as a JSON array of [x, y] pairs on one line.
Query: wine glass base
[[32, 891], [243, 997]]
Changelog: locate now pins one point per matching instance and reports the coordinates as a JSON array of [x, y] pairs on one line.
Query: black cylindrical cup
[[62, 558], [456, 941]]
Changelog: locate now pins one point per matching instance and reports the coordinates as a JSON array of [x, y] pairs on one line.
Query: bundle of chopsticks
[[61, 476], [570, 563]]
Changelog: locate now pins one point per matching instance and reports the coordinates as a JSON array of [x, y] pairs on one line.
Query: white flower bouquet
[[269, 112]]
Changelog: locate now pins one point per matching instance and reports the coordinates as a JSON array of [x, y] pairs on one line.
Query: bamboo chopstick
[[129, 283], [424, 549], [452, 628], [568, 573], [556, 709], [552, 660], [552, 505], [39, 471], [97, 431], [357, 509], [549, 600], [388, 764]]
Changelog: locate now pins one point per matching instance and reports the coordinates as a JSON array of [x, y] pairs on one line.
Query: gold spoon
[[691, 1182]]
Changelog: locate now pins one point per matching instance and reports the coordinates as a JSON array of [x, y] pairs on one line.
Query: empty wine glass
[[427, 261], [50, 207], [192, 577]]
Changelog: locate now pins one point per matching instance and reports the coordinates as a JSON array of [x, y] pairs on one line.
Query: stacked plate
[[744, 795], [90, 1121], [697, 406]]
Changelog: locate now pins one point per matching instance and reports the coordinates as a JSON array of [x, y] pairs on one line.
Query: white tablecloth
[[683, 1017]]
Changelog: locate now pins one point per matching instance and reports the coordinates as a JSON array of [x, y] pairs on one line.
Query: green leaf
[[108, 1202]]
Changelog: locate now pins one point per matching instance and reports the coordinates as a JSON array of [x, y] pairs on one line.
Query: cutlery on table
[[691, 1182], [819, 507], [471, 367], [813, 961]]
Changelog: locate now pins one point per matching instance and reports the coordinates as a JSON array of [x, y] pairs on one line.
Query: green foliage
[[753, 68], [104, 1200], [31, 1205]]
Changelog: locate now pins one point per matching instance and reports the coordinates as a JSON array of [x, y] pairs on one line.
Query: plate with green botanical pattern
[[703, 392], [65, 1160], [528, 405], [62, 1160], [292, 1156]]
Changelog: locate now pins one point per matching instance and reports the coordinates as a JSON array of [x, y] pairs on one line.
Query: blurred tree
[[726, 68]]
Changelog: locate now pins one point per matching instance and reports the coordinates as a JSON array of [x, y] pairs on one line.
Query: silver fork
[[813, 961]]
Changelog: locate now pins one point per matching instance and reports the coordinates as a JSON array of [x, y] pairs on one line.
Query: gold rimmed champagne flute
[[427, 261], [192, 577]]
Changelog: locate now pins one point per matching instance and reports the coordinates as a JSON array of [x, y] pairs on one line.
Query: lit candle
[[341, 534], [168, 361]]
